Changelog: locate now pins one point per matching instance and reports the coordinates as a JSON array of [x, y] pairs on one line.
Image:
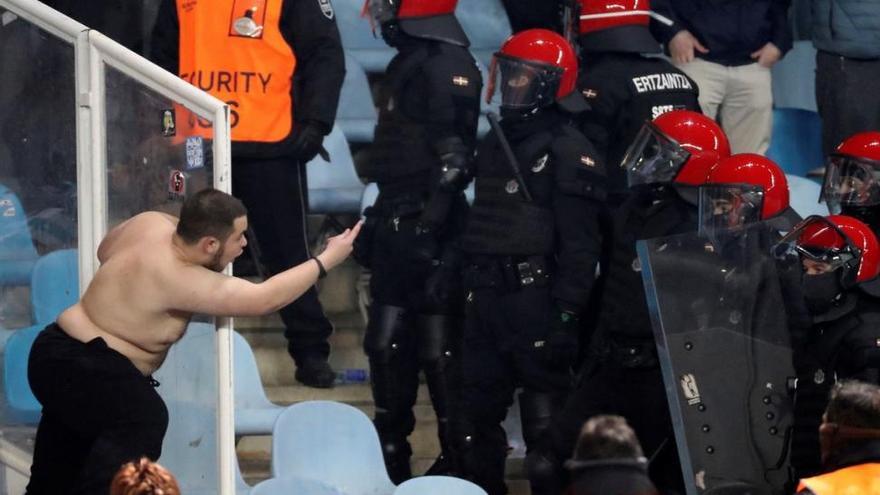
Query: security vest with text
[[234, 50]]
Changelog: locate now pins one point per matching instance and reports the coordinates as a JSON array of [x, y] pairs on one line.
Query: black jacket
[[566, 181], [624, 91], [317, 81], [611, 477], [730, 29]]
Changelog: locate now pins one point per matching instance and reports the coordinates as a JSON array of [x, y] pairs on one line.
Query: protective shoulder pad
[[579, 169]]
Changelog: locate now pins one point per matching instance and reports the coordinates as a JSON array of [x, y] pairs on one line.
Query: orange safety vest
[[862, 479], [234, 50]]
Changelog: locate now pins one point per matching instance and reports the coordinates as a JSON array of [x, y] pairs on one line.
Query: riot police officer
[[669, 156], [625, 88], [531, 243], [851, 184], [836, 256], [421, 158]]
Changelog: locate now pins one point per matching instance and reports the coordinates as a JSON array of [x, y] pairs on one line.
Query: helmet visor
[[653, 157], [850, 182], [817, 240], [729, 206], [522, 84]]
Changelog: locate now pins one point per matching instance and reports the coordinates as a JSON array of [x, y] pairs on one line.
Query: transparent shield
[[38, 216], [723, 342], [158, 152]]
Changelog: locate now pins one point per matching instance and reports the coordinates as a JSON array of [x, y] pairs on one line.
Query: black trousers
[[99, 412], [848, 97], [275, 194], [498, 356]]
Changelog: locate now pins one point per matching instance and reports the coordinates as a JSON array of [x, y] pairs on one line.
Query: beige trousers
[[740, 98]]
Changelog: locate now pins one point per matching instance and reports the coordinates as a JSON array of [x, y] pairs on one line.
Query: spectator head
[[607, 437], [851, 419], [215, 222], [143, 477]]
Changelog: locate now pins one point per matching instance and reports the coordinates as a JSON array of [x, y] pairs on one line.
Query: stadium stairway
[[264, 334]]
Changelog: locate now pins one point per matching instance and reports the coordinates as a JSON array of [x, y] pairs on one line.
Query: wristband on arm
[[322, 272]]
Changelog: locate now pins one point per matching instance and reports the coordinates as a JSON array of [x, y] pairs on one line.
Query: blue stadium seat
[[332, 443], [293, 486], [796, 142], [254, 413], [804, 196], [486, 25], [23, 406], [334, 187], [357, 113], [54, 284], [438, 485], [17, 251], [357, 36]]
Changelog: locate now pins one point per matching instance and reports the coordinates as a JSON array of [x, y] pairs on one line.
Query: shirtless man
[[91, 370]]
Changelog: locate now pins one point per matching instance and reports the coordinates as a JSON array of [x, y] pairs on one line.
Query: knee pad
[[536, 411], [434, 339], [384, 332]]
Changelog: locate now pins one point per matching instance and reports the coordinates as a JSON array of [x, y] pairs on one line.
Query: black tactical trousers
[[499, 355], [408, 332]]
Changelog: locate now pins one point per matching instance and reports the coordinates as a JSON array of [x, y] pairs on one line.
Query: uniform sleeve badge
[[461, 81]]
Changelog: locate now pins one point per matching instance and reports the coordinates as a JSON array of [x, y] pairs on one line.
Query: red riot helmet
[[758, 170], [679, 146], [852, 176], [617, 26], [533, 69], [427, 19], [844, 242]]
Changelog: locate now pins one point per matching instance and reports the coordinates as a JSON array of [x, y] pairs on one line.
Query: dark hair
[[143, 477], [208, 212], [855, 404], [607, 437]]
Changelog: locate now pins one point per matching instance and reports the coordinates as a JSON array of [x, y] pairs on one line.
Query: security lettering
[[661, 82], [231, 82]]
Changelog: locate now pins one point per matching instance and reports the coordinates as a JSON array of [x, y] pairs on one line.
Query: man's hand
[[682, 46], [339, 247], [308, 140], [767, 55]]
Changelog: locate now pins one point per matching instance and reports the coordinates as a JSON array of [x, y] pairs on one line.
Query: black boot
[[315, 372]]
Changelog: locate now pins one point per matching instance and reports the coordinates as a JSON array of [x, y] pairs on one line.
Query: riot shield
[[723, 343]]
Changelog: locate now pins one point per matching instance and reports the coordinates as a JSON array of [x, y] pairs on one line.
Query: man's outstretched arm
[[200, 290]]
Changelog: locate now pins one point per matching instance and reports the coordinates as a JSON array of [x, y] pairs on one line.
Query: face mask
[[821, 291]]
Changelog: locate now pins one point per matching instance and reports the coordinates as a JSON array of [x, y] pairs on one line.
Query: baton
[[511, 158]]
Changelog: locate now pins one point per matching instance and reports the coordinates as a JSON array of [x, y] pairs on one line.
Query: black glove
[[560, 347], [308, 141], [456, 158]]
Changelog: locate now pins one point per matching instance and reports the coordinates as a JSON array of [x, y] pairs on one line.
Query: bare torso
[[125, 303]]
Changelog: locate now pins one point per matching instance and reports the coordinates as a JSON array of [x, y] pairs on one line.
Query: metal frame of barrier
[[92, 51]]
